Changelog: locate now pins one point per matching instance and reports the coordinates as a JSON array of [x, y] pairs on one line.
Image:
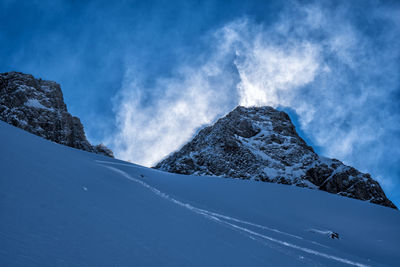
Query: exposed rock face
[[262, 144], [37, 106]]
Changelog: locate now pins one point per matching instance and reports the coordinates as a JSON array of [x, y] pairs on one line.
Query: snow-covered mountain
[[261, 143], [61, 206], [38, 106]]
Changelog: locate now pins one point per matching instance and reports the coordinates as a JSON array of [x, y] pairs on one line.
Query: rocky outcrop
[[37, 106], [261, 143]]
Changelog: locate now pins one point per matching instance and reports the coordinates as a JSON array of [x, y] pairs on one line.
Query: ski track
[[216, 217], [123, 164]]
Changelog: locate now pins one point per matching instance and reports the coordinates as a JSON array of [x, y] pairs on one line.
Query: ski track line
[[223, 216], [216, 217], [123, 164], [249, 223]]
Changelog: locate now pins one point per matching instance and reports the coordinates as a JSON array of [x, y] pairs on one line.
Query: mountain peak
[[37, 106], [261, 143]]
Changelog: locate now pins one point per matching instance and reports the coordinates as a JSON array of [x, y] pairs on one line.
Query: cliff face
[[38, 107], [261, 143]]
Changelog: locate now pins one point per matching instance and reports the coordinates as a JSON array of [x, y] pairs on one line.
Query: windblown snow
[[66, 207]]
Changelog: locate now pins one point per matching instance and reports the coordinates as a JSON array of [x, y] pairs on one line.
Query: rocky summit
[[261, 143], [37, 106]]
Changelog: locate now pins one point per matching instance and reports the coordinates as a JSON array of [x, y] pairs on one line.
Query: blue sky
[[144, 76]]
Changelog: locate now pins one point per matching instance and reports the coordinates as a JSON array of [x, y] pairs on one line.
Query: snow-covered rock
[[37, 106], [261, 143]]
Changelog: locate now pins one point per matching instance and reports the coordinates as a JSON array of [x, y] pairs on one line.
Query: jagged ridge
[[37, 106], [261, 143]]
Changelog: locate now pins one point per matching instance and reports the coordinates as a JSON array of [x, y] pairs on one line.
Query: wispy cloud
[[151, 129], [315, 60]]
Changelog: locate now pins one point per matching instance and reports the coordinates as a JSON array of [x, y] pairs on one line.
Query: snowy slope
[[65, 207]]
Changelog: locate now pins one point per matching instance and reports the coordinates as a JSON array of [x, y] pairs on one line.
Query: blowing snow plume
[[316, 61]]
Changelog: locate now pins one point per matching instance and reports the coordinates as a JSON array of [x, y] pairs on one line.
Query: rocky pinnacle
[[261, 143], [38, 107]]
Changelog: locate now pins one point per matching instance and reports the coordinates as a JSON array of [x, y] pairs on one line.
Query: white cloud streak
[[312, 60]]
